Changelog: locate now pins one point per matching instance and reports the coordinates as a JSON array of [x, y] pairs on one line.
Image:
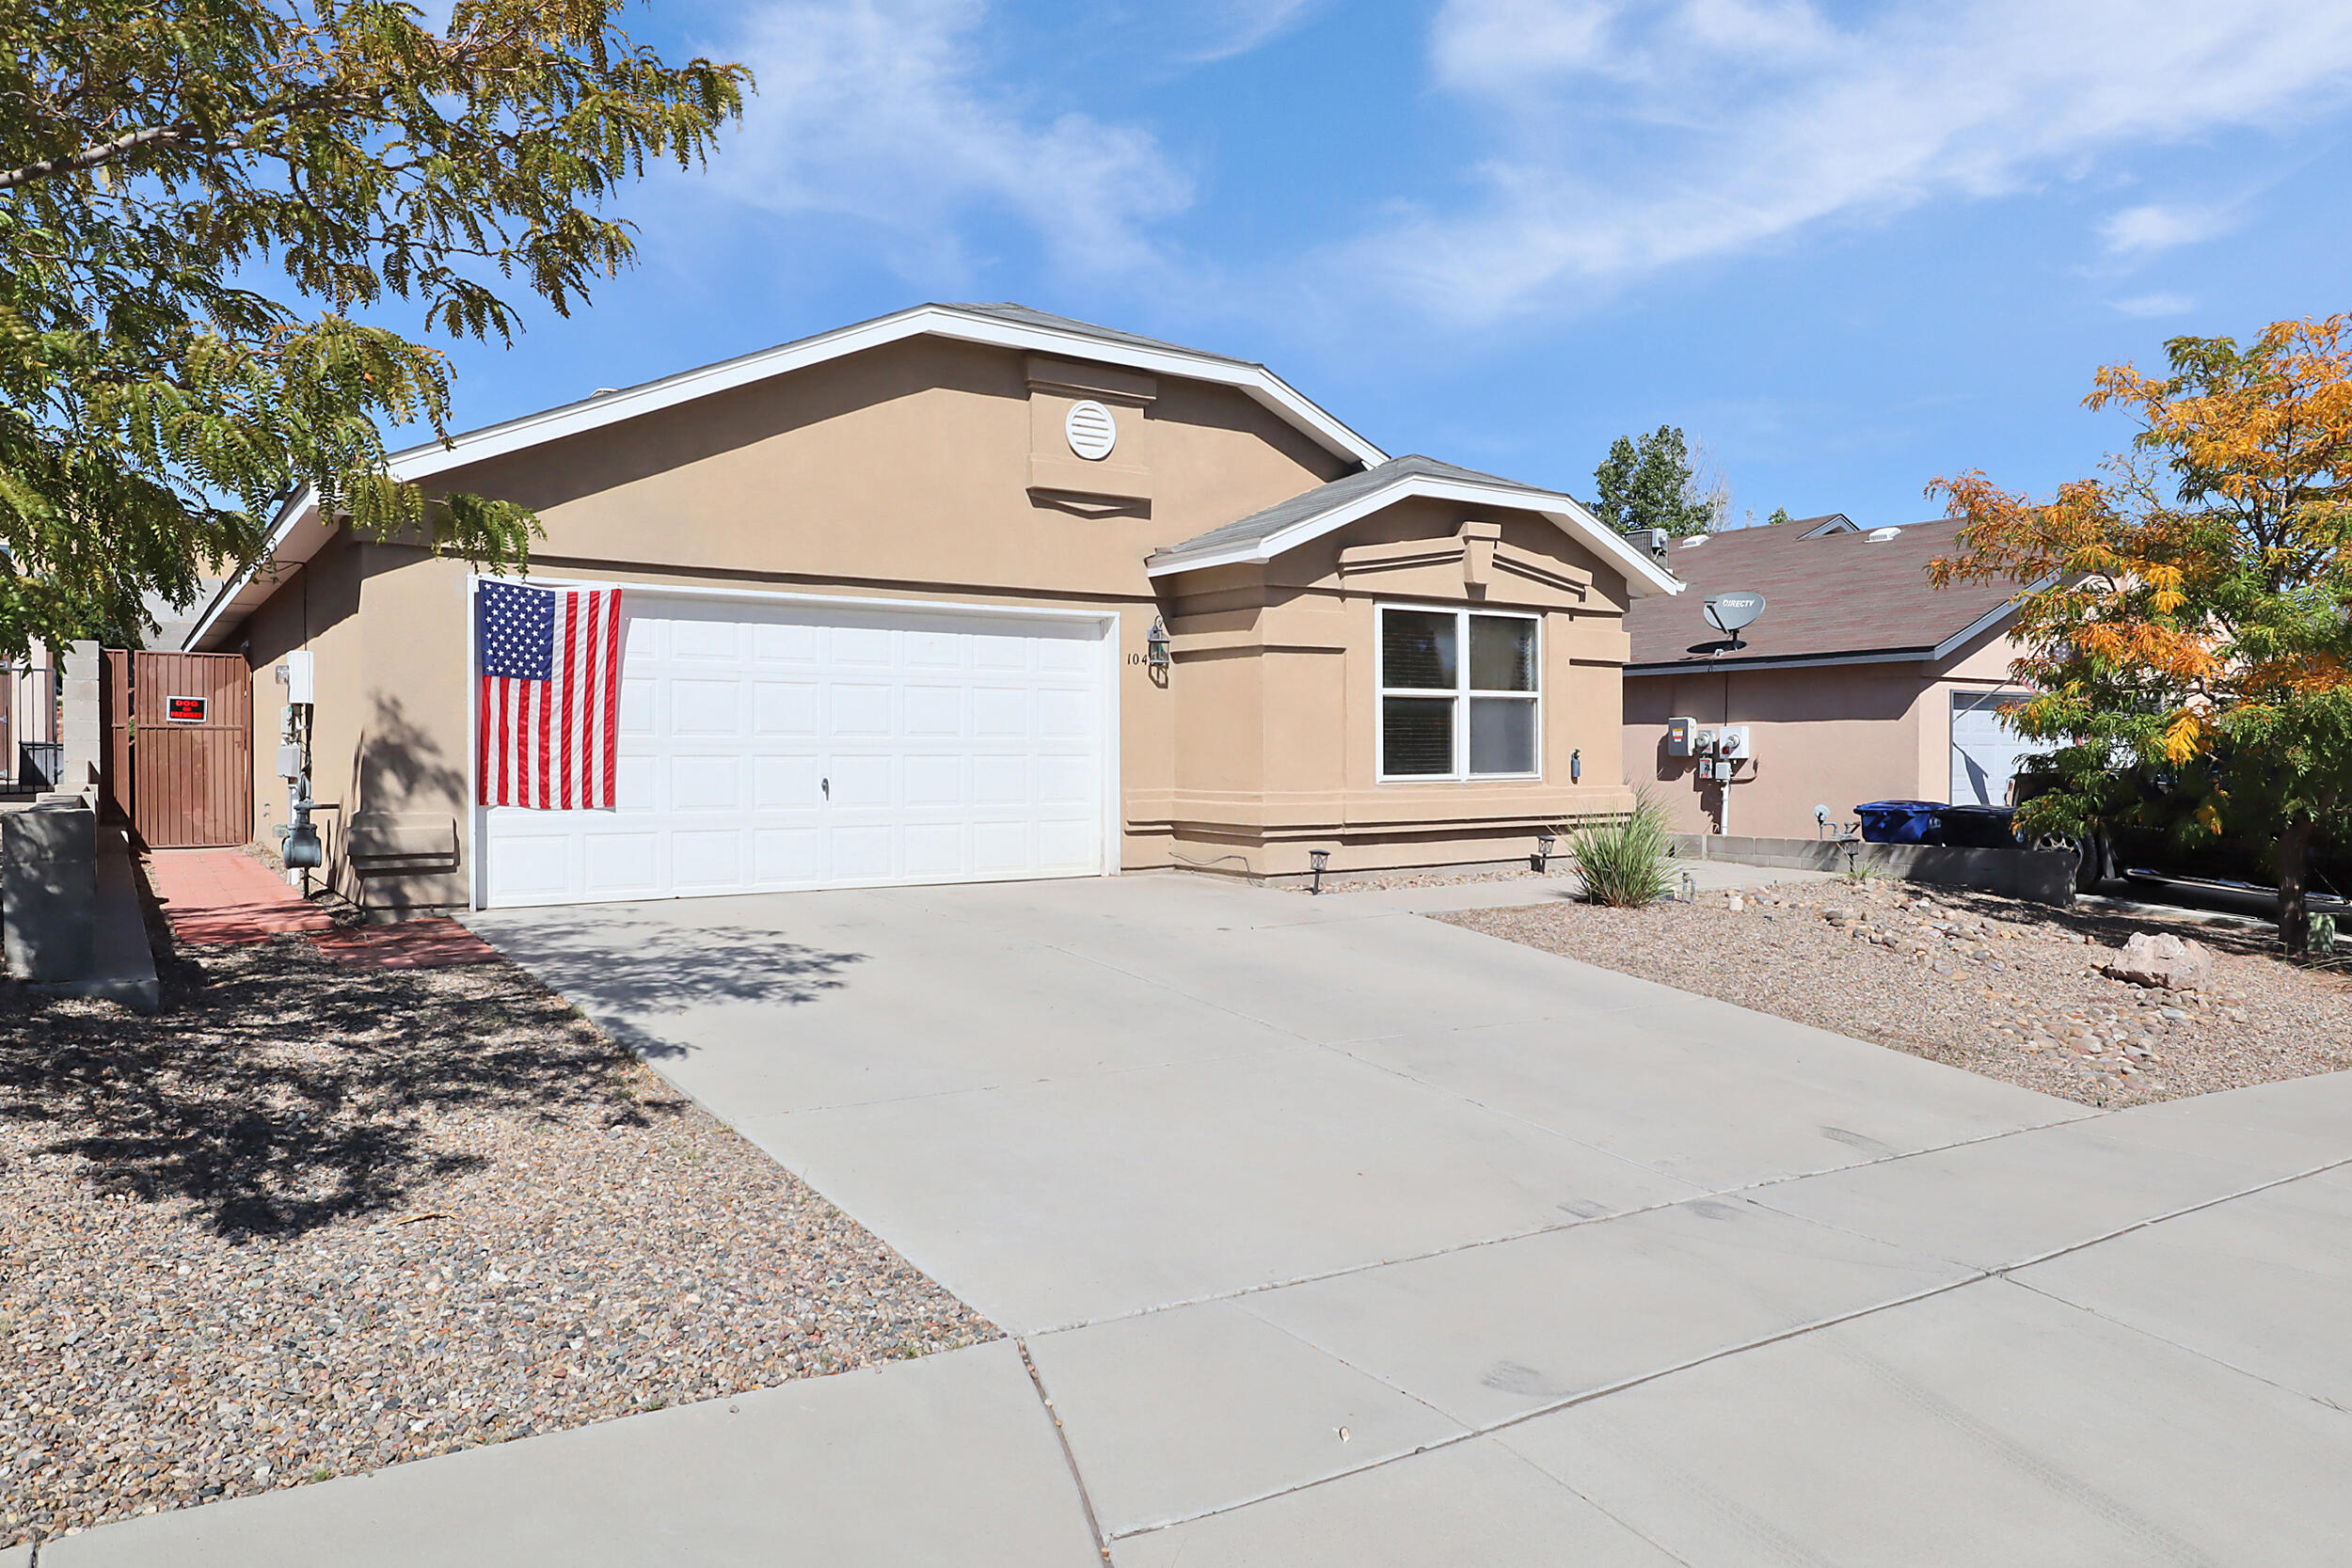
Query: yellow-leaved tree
[[2187, 619]]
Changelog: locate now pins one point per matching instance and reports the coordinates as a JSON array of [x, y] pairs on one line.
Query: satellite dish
[[1728, 613]]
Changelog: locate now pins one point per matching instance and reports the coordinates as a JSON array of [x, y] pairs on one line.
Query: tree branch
[[93, 156]]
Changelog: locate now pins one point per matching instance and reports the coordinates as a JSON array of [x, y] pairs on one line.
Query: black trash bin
[[1978, 827]]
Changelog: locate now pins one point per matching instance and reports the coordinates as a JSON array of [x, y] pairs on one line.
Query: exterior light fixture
[[1156, 645], [1321, 861], [1576, 765], [1544, 841]]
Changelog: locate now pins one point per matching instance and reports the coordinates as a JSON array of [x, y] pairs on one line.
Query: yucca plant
[[1624, 861]]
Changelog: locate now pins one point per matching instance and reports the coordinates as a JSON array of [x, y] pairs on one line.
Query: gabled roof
[[297, 531], [1287, 524], [1838, 598], [1829, 522]]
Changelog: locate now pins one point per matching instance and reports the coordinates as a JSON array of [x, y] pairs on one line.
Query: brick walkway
[[213, 896]]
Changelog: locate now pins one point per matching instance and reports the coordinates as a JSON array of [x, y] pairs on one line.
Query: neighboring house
[[891, 596], [1861, 681]]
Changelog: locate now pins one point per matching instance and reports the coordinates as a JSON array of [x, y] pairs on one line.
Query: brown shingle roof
[[1838, 594]]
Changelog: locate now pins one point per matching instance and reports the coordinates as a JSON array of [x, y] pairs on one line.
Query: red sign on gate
[[184, 710]]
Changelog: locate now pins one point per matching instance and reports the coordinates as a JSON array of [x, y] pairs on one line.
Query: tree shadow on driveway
[[631, 974]]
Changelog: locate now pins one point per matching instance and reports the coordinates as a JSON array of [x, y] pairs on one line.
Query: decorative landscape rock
[[2162, 960]]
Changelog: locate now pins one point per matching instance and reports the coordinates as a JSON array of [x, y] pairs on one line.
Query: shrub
[[1624, 861]]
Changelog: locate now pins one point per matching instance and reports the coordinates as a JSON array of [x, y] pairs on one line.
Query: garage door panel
[[636, 782], [850, 647], [705, 784], [701, 707], [699, 641], [954, 747], [932, 650], [706, 858], [1000, 780], [623, 862], [1065, 714], [998, 847], [862, 854], [788, 646], [788, 855], [535, 866], [861, 709], [640, 701], [934, 780], [1069, 843], [1066, 781], [1000, 712], [933, 711], [934, 849], [785, 783], [787, 709]]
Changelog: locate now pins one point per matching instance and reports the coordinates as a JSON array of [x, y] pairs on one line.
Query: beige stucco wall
[[936, 471], [1276, 679], [1832, 735]]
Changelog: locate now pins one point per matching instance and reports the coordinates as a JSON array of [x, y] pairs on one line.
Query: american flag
[[550, 694]]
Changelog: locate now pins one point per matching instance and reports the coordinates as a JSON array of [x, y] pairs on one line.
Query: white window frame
[[1461, 695]]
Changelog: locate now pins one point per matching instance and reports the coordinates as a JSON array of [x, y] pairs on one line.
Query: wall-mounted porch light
[[1544, 841], [1576, 765], [1320, 860], [1156, 645]]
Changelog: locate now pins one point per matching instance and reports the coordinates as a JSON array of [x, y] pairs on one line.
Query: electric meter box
[[1732, 741], [1680, 737], [294, 674]]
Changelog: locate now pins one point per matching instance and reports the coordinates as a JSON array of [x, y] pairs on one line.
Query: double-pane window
[[1458, 691]]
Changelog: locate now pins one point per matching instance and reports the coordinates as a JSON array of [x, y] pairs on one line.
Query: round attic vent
[[1091, 429], [1880, 535]]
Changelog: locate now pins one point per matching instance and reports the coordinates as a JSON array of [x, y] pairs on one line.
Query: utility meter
[[1705, 742], [1732, 741]]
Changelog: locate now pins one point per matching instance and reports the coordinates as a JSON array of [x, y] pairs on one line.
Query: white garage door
[[770, 748], [1987, 750]]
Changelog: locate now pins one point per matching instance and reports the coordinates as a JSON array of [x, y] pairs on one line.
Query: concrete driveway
[[1330, 1234]]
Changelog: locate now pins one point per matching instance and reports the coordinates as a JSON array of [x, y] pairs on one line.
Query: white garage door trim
[[1105, 623]]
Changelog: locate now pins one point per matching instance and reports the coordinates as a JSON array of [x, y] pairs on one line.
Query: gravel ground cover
[[311, 1222], [2006, 989]]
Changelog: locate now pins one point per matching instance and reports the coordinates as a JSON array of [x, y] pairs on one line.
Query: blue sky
[[1852, 247]]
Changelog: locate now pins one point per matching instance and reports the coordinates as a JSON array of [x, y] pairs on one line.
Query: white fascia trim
[[1643, 576], [289, 515], [422, 462], [1990, 619], [920, 321]]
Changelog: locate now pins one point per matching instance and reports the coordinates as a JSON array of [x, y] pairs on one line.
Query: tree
[[1780, 515], [2189, 620], [194, 200], [1652, 484]]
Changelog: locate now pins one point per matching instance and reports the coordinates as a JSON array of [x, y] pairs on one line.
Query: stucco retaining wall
[[2039, 876]]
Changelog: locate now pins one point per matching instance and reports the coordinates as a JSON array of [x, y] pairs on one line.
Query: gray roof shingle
[[1308, 505], [1826, 594]]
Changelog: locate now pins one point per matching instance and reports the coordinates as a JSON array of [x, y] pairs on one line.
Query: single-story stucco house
[[891, 595], [1860, 681]]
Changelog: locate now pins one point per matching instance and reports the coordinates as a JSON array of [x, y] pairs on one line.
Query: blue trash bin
[[1900, 821]]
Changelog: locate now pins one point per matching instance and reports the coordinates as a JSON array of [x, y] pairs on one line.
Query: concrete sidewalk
[[1334, 1235]]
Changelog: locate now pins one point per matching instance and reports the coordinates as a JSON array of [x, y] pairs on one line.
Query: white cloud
[[1234, 28], [1629, 140], [2155, 227], [2156, 305], [880, 111]]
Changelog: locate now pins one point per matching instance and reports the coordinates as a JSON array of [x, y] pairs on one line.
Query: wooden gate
[[179, 747]]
